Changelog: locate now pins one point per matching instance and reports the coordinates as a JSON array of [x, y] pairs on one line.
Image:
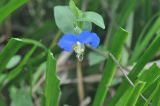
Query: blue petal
[[89, 38], [67, 41]]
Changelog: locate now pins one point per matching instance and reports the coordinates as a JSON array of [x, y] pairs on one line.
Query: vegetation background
[[123, 71]]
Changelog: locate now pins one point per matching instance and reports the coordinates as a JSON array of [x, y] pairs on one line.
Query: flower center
[[79, 50]]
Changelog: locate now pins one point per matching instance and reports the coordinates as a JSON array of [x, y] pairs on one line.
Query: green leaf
[[110, 68], [73, 8], [94, 17], [2, 3], [32, 42], [154, 96], [146, 9], [129, 28], [76, 11], [152, 82], [10, 7], [142, 44], [65, 19], [124, 12], [136, 93], [52, 83], [20, 97], [15, 72], [131, 95], [150, 75], [67, 22], [147, 55], [13, 61], [8, 52], [12, 47], [86, 26]]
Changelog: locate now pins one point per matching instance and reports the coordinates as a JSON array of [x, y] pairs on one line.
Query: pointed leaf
[[52, 83], [64, 18], [94, 18]]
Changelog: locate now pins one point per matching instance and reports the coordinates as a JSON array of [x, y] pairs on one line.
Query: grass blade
[[148, 55], [11, 49], [141, 45], [10, 76], [136, 93], [110, 68], [52, 83], [153, 95], [10, 7], [131, 95], [129, 28], [156, 98], [150, 75], [124, 13]]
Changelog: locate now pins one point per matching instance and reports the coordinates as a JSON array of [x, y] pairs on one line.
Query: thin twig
[[122, 69], [80, 82], [57, 35]]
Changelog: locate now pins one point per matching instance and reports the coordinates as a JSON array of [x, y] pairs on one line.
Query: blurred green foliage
[[123, 71]]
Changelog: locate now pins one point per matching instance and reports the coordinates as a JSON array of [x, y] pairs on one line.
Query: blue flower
[[70, 42]]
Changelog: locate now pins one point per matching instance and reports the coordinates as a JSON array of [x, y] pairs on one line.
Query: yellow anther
[[79, 50]]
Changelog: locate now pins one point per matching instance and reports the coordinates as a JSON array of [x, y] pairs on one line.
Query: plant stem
[[54, 42], [80, 82]]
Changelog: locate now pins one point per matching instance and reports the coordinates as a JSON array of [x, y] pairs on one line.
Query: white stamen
[[79, 50]]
